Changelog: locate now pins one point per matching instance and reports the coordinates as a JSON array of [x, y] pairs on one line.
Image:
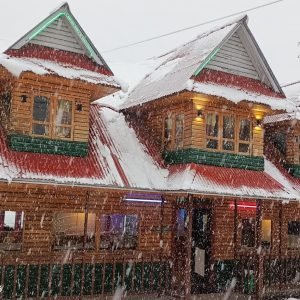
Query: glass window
[[244, 134], [228, 133], [11, 229], [212, 124], [69, 230], [248, 232], [118, 231], [294, 235], [266, 233], [181, 222], [41, 115], [168, 124], [63, 119], [179, 131]]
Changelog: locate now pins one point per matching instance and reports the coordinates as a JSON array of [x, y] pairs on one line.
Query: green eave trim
[[25, 143], [206, 61], [293, 169], [228, 160]]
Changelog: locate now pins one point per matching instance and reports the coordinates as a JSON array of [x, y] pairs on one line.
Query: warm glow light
[[243, 204]]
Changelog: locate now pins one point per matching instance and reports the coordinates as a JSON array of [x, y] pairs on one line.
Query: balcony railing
[[85, 276]]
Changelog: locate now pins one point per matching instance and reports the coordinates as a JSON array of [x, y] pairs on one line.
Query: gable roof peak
[[61, 31]]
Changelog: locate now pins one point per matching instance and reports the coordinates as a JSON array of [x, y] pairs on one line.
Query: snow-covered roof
[[118, 158], [17, 65], [174, 74]]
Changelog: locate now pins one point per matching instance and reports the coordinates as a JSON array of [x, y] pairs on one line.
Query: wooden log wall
[[40, 204], [33, 85]]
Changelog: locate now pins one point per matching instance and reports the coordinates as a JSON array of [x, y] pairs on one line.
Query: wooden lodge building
[[182, 189]]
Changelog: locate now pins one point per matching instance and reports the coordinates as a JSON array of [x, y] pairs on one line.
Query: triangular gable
[[239, 54], [60, 30]]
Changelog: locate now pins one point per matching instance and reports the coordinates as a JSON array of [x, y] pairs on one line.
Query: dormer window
[[41, 116], [228, 133], [56, 125]]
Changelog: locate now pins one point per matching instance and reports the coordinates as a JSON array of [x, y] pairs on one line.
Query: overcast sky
[[113, 23]]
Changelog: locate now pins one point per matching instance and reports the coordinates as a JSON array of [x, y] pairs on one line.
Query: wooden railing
[[85, 277], [278, 274]]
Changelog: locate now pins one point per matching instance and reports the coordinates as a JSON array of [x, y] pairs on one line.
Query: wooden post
[[259, 268], [188, 267], [161, 243], [280, 242], [235, 226]]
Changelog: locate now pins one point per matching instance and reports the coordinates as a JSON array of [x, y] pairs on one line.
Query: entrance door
[[201, 248]]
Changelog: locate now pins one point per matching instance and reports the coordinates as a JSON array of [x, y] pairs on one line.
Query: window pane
[[40, 129], [64, 112], [63, 132], [244, 148], [179, 131], [248, 233], [266, 233], [228, 145], [212, 144], [228, 127], [294, 234], [244, 134], [118, 231], [41, 109], [181, 221], [69, 230], [168, 129], [212, 124]]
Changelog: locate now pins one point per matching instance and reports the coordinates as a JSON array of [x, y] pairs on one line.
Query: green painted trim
[[293, 169], [207, 60], [25, 143], [191, 155], [74, 26]]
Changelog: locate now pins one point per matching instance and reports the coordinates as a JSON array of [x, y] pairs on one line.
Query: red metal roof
[[220, 180]]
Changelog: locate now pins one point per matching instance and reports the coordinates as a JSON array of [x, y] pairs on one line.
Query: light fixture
[[79, 107], [145, 198], [258, 123], [199, 114], [23, 98]]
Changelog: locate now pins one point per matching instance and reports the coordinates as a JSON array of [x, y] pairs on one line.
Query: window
[[41, 116], [63, 128], [266, 233], [244, 135], [58, 124], [228, 133], [294, 235], [11, 230], [69, 230], [168, 126], [212, 130], [181, 222], [248, 232], [118, 231], [179, 131]]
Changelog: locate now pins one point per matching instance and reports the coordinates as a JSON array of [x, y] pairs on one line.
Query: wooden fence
[[49, 278]]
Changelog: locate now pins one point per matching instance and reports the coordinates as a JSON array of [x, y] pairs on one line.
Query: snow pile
[[17, 65]]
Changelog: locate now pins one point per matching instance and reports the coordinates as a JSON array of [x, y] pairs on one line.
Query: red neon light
[[243, 205]]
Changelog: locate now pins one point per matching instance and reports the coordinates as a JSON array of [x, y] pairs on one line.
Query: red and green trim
[[293, 169], [228, 160], [24, 143]]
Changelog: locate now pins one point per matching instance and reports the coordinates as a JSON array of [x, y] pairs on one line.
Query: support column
[[259, 268], [188, 267]]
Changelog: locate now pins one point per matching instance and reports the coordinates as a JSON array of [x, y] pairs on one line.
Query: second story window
[[41, 116], [52, 118], [63, 122], [228, 133], [168, 128], [179, 131], [212, 130]]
